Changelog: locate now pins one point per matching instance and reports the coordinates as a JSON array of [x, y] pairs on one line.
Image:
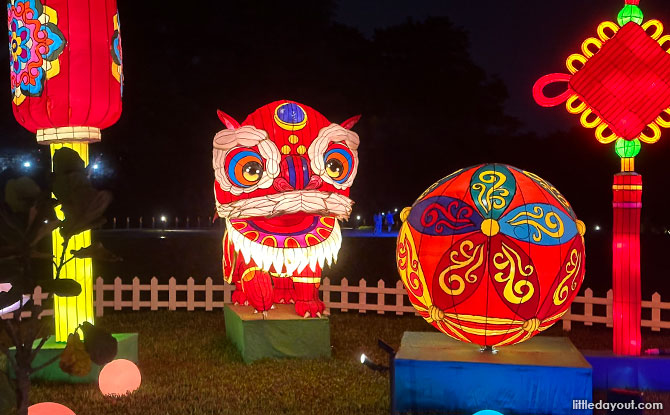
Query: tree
[[27, 217]]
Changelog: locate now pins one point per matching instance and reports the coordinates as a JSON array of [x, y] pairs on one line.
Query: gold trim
[[306, 280], [69, 135]]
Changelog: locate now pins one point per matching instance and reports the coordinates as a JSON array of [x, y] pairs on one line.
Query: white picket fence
[[380, 299]]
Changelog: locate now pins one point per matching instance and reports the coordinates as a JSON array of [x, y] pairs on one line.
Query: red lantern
[[65, 67], [491, 255]]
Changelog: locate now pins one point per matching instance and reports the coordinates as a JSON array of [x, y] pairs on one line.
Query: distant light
[[395, 210], [358, 217], [27, 164], [597, 227], [96, 166], [46, 220], [163, 237], [163, 219], [363, 358]]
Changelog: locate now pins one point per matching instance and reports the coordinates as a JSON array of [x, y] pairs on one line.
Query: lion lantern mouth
[[286, 244]]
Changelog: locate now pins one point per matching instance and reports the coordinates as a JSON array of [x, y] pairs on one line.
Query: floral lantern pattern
[[65, 67], [35, 43], [491, 255]]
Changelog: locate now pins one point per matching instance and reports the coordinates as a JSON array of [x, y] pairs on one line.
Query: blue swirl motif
[[539, 224], [492, 188], [444, 216]]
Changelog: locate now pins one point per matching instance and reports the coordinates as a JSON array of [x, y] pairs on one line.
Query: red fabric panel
[[627, 300]]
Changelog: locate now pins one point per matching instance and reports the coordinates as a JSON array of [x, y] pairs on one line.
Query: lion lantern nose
[[295, 175]]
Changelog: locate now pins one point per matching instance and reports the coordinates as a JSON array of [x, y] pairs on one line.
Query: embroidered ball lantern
[[66, 80], [491, 255]]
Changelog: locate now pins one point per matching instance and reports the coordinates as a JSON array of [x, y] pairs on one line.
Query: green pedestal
[[282, 334], [128, 349]]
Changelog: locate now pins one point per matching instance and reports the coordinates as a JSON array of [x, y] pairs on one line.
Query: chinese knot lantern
[[66, 75], [491, 255], [619, 85], [65, 67]]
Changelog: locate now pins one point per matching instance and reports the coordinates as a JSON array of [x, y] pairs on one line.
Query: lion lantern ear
[[229, 121], [349, 124]]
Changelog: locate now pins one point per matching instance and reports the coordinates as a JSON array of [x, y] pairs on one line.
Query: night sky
[[440, 84]]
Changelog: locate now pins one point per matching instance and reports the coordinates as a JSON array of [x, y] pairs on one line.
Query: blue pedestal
[[541, 376], [629, 372]]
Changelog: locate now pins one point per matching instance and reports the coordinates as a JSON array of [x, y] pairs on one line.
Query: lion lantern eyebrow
[[247, 136]]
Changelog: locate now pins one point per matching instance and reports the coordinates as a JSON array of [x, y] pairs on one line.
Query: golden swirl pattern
[[491, 197], [553, 225], [471, 257], [508, 262], [572, 268], [409, 268]]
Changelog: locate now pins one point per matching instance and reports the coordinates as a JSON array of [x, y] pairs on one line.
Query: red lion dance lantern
[[282, 182], [491, 255]]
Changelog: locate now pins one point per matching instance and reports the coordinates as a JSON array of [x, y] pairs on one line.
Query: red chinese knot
[[619, 84], [491, 255]]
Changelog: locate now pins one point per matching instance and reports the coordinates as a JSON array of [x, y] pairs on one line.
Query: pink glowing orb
[[49, 408], [120, 377]]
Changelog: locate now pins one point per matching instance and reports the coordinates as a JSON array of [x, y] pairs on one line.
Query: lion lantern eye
[[334, 168], [252, 171], [245, 167], [339, 163]]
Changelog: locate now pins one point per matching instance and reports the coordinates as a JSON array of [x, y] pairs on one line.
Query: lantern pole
[[627, 299], [71, 312]]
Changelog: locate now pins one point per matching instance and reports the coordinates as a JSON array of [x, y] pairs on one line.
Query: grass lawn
[[189, 367]]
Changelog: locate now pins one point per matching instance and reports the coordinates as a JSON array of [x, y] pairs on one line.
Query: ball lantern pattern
[[491, 255]]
